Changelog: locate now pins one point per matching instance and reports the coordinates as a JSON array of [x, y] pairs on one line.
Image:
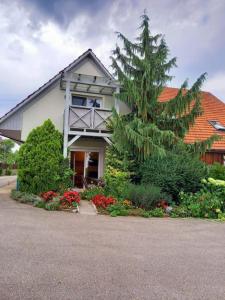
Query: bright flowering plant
[[69, 198], [48, 196], [103, 201]]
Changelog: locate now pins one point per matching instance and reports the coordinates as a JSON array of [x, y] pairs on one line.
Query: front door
[[85, 165]]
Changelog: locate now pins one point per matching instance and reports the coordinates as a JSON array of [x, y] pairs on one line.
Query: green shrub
[[202, 204], [217, 171], [1, 171], [180, 212], [16, 195], [173, 173], [115, 182], [145, 214], [24, 197], [8, 172], [41, 162], [40, 204], [145, 195], [53, 205], [91, 192], [157, 212], [116, 174], [117, 209]]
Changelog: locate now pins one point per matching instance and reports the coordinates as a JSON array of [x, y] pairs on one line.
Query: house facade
[[79, 101]]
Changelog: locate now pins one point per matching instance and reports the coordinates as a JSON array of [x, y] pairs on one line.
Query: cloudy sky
[[40, 37]]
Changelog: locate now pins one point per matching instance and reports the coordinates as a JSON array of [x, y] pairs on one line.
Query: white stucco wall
[[47, 106], [88, 67]]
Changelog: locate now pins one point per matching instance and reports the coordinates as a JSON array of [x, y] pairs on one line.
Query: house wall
[[47, 106], [88, 67], [212, 157]]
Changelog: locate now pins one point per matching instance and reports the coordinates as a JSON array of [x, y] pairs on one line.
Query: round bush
[[174, 173]]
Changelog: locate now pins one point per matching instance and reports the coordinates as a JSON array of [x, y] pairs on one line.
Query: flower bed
[[50, 200]]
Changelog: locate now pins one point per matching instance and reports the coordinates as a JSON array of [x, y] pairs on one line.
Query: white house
[[78, 100]]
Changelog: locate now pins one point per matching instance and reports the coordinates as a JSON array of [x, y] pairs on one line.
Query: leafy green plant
[[8, 172], [174, 172], [91, 192], [117, 173], [118, 209], [40, 160], [157, 212], [1, 171], [179, 212], [145, 195], [217, 171], [203, 204], [54, 204], [24, 197], [145, 214], [39, 203]]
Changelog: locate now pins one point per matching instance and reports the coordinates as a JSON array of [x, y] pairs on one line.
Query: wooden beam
[[117, 107], [66, 119], [88, 88], [107, 140], [74, 139], [94, 134]]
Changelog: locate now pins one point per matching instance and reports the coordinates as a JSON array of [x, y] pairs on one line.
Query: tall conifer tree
[[143, 69]]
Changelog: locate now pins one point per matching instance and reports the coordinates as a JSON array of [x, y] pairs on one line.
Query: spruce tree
[[152, 127]]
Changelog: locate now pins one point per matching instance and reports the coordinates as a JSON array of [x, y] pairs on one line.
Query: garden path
[[86, 208]]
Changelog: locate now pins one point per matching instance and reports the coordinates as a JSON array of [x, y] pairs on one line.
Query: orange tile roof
[[213, 109]]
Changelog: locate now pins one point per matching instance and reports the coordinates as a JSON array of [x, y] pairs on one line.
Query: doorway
[[85, 165]]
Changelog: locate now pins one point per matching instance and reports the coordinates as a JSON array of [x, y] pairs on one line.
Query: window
[[86, 101], [217, 125]]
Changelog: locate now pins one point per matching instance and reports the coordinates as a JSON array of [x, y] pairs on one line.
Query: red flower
[[103, 201], [69, 197], [48, 196]]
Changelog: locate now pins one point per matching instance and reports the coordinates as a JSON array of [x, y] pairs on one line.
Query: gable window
[[86, 101], [217, 125]]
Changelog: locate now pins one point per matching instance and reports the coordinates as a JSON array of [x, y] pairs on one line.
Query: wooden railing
[[81, 117]]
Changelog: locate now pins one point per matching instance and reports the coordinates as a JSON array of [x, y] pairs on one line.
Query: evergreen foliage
[[152, 127], [41, 163], [175, 172]]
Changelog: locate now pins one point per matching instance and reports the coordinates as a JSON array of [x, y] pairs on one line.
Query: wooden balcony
[[86, 118]]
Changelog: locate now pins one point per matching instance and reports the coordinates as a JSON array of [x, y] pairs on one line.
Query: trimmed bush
[[173, 173], [41, 162], [146, 195]]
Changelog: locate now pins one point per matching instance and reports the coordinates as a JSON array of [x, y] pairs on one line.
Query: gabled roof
[[213, 110], [88, 53]]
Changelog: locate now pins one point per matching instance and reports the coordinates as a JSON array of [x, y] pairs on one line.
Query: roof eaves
[[53, 80]]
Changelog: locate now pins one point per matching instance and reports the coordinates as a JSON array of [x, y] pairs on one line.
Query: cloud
[[39, 38], [216, 85]]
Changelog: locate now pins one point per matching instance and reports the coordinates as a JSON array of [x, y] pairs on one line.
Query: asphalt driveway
[[58, 255], [5, 180]]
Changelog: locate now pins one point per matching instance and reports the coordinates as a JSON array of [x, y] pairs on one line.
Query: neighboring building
[[212, 121], [79, 100]]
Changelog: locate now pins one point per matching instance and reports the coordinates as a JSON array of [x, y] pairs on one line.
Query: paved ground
[[59, 255], [86, 208], [4, 180]]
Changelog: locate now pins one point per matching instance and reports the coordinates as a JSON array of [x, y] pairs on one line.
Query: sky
[[39, 38]]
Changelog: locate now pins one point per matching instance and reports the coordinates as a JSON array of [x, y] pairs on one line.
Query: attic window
[[217, 125]]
